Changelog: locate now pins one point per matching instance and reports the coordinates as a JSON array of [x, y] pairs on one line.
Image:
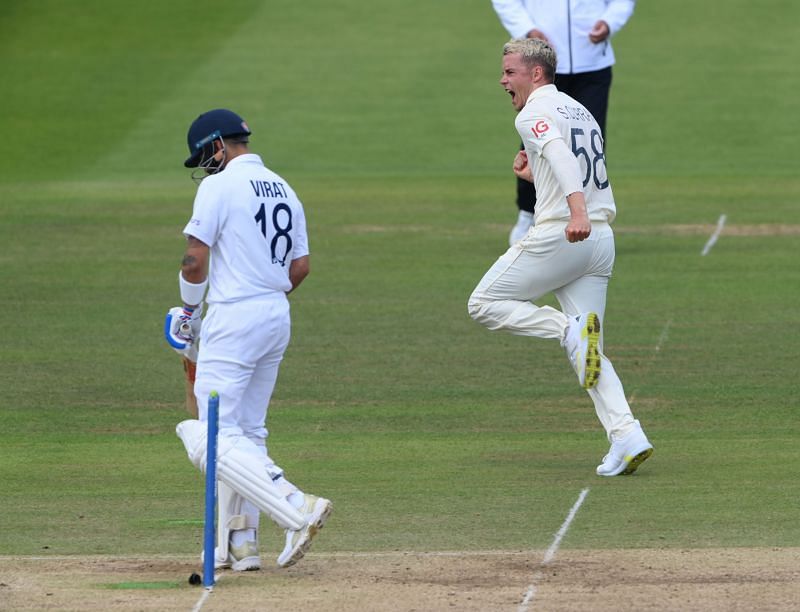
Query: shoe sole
[[313, 529], [217, 564], [636, 461], [592, 369], [248, 564]]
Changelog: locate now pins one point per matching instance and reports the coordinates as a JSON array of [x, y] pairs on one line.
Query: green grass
[[428, 432]]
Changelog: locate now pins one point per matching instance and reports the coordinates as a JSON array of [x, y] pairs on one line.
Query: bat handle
[[185, 331]]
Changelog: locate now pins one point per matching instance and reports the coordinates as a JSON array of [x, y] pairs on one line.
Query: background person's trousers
[[577, 274]]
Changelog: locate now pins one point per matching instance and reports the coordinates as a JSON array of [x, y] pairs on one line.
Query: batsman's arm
[[194, 272], [298, 270], [193, 280], [182, 325]]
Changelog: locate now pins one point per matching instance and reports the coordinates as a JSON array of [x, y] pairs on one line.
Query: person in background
[[580, 32]]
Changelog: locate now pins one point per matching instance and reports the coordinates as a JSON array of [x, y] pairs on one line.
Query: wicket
[[209, 532]]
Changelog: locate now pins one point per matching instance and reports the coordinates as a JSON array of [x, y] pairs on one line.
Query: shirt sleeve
[[514, 17], [300, 248], [564, 165], [206, 214], [617, 14], [536, 131]]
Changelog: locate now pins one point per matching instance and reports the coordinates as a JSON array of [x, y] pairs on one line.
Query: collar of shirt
[[541, 91], [246, 158]]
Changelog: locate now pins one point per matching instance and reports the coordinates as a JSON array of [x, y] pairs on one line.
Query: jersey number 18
[[281, 230]]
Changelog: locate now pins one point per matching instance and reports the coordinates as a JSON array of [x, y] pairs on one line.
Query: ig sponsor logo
[[540, 128]]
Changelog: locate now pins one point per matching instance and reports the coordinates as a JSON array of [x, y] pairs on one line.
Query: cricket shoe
[[626, 454], [242, 558], [316, 511], [582, 343]]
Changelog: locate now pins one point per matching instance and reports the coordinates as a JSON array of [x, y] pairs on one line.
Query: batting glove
[[182, 330]]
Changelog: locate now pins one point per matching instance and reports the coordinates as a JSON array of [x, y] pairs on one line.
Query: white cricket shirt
[[566, 24], [255, 225], [550, 114]]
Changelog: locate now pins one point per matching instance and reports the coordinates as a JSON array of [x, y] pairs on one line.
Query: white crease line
[[663, 337], [551, 552], [198, 606], [715, 235], [661, 340], [206, 592]]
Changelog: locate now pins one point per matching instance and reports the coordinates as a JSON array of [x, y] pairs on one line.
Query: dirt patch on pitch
[[716, 579], [666, 229], [700, 229]]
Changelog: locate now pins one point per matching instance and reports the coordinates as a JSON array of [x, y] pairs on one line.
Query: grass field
[[432, 435]]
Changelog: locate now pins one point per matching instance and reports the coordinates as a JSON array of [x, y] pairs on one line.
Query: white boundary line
[[551, 552], [712, 241]]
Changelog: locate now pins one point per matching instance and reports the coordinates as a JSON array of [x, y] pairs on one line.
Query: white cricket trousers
[[577, 274], [242, 345]]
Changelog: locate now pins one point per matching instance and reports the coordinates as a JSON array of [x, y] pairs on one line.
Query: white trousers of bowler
[[241, 349], [577, 274]]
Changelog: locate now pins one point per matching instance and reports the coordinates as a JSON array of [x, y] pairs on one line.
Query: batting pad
[[240, 467], [230, 517]]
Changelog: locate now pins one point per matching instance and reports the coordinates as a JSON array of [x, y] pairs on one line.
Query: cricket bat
[[189, 371]]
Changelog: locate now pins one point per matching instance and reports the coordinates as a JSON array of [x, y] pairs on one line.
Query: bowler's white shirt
[[255, 225], [550, 114]]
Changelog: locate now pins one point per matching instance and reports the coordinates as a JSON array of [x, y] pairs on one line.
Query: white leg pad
[[240, 467], [230, 516]]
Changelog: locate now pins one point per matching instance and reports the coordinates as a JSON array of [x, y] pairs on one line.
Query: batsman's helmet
[[217, 123]]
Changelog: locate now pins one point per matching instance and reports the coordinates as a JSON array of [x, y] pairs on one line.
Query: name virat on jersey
[[269, 189]]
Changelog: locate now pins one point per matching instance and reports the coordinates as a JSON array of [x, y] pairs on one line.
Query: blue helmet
[[217, 123]]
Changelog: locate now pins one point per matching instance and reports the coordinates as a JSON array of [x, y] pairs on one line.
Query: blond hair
[[534, 52]]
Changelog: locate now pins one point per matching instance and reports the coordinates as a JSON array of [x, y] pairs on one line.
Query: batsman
[[247, 249]]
